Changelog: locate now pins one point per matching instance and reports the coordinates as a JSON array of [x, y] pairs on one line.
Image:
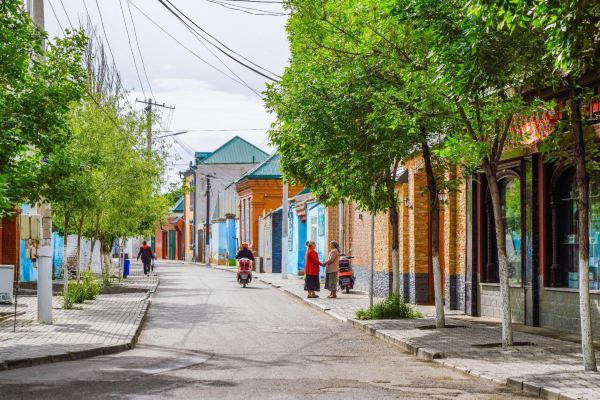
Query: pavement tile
[[110, 321]]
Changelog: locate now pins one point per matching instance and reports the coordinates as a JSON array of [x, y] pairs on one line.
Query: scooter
[[244, 273], [346, 275]]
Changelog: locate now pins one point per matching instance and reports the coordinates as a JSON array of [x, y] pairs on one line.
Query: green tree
[[483, 73], [569, 29], [36, 90], [328, 105]]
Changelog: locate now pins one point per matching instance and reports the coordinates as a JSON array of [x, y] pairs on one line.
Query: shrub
[[87, 289], [90, 286], [390, 308], [74, 295]]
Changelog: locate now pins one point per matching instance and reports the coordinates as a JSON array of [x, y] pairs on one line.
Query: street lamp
[[171, 134]]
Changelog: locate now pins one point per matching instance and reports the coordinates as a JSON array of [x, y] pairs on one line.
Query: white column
[[44, 264]]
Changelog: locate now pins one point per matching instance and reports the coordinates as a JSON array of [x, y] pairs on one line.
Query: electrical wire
[[248, 10], [219, 42], [67, 14], [255, 1], [87, 11], [183, 45], [221, 130], [199, 39], [104, 30], [56, 17], [135, 35], [137, 71]]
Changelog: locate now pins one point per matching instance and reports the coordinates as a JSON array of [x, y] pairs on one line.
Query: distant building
[[260, 190], [217, 169]]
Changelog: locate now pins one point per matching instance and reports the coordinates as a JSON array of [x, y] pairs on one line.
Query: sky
[[204, 98]]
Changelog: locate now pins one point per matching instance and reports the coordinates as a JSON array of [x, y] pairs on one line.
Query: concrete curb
[[86, 353], [422, 352]]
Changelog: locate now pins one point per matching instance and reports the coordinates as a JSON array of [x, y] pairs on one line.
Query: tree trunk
[[78, 254], [91, 260], [95, 237], [506, 317], [583, 207], [434, 214], [393, 219], [65, 266]]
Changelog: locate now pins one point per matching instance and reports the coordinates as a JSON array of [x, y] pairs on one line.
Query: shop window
[[564, 271], [510, 197], [511, 207]]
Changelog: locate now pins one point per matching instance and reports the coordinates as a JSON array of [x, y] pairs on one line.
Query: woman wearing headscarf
[[332, 266], [311, 270]]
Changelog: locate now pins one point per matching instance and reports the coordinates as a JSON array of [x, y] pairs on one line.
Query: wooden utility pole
[[149, 104]]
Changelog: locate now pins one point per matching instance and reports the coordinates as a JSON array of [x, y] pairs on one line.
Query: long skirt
[[312, 283], [331, 281]]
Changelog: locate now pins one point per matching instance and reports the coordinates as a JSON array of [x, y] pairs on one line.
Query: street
[[205, 337]]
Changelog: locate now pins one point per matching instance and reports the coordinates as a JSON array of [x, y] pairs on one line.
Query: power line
[[139, 50], [222, 130], [56, 17], [137, 71], [255, 1], [104, 30], [87, 11], [183, 45], [199, 39], [248, 10], [219, 42], [67, 14]]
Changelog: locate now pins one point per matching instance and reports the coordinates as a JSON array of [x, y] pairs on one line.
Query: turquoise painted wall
[[296, 243], [315, 220]]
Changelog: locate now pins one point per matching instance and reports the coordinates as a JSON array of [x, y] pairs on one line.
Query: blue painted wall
[[57, 253], [232, 243], [297, 240], [276, 241], [316, 226]]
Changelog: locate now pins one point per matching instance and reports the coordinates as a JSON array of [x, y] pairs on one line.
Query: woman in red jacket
[[311, 270]]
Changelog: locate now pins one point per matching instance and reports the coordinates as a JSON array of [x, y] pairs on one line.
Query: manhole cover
[[492, 345]]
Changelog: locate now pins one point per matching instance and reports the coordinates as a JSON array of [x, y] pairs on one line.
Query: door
[[268, 245], [172, 241]]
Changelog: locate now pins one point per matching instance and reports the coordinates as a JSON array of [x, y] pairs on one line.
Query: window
[[565, 227], [511, 209], [510, 197]]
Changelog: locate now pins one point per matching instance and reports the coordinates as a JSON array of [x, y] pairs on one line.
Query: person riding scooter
[[245, 259]]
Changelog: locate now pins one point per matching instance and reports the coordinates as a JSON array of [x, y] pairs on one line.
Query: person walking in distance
[[146, 254]]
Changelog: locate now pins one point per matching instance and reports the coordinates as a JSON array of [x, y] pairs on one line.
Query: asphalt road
[[207, 338]]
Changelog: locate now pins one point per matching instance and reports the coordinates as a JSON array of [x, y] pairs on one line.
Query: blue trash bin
[[126, 264]]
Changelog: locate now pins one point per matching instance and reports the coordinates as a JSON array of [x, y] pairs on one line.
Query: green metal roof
[[202, 155], [269, 169], [236, 151], [178, 207]]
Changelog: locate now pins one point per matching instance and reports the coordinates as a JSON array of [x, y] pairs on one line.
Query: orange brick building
[[260, 189]]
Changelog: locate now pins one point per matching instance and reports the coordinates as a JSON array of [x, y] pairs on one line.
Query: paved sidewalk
[[543, 366], [106, 325]]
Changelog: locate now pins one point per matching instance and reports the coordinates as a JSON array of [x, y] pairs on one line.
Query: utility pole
[[284, 232], [149, 104], [44, 253], [207, 222]]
